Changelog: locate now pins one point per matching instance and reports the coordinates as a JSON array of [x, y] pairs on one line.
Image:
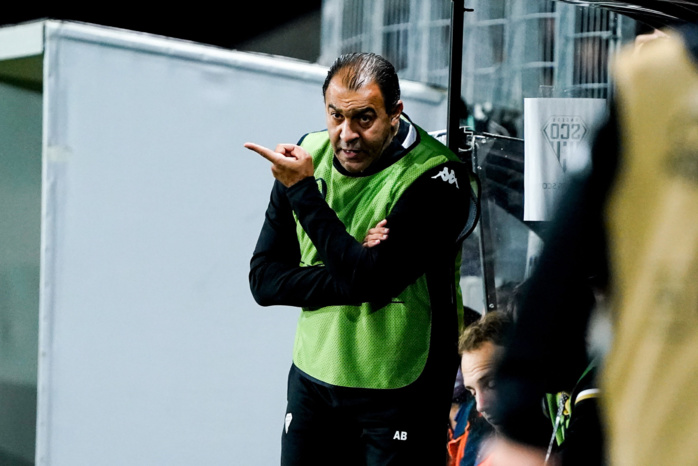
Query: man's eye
[[490, 384]]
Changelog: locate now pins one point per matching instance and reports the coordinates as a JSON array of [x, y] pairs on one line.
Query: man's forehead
[[480, 362], [340, 82], [341, 97], [476, 368]]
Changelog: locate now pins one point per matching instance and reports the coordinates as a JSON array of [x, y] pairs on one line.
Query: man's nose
[[482, 402], [347, 133]]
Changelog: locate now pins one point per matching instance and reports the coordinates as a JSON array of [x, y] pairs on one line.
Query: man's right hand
[[290, 163], [376, 234]]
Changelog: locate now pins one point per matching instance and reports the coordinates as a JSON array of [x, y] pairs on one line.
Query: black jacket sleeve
[[423, 224]]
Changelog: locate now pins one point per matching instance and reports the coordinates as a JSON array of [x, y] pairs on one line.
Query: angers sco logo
[[564, 133]]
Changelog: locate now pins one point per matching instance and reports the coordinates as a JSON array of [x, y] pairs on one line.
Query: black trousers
[[329, 425]]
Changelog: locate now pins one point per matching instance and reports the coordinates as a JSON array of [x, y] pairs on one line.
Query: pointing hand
[[290, 163]]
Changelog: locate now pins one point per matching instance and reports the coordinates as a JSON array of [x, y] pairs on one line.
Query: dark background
[[653, 13], [231, 24], [227, 24]]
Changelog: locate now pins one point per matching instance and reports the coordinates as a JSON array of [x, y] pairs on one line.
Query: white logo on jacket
[[289, 418], [447, 175]]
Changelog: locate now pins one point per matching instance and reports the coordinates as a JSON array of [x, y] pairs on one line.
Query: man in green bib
[[363, 233]]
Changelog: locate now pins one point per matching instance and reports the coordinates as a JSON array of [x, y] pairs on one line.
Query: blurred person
[[642, 39], [460, 394], [481, 345], [348, 236], [627, 226], [463, 411]]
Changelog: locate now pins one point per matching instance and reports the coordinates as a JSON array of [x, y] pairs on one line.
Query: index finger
[[268, 154]]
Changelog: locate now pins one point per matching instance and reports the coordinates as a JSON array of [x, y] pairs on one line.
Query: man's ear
[[395, 116]]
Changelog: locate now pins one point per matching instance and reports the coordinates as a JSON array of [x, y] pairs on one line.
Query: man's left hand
[[376, 234], [290, 163]]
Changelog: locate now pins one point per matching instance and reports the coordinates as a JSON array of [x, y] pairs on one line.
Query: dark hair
[[493, 326], [360, 69]]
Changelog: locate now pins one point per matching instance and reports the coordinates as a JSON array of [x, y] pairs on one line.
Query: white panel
[[156, 352], [22, 41], [153, 351]]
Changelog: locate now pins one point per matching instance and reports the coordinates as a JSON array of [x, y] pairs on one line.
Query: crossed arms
[[424, 225]]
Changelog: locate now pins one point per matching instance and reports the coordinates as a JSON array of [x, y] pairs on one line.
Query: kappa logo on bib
[[447, 175]]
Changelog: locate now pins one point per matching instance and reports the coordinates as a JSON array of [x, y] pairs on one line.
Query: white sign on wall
[[557, 136]]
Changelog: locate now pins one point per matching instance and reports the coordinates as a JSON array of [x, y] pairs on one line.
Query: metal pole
[[454, 77]]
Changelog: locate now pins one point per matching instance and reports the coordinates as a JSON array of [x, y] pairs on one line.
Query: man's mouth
[[492, 420], [351, 153]]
